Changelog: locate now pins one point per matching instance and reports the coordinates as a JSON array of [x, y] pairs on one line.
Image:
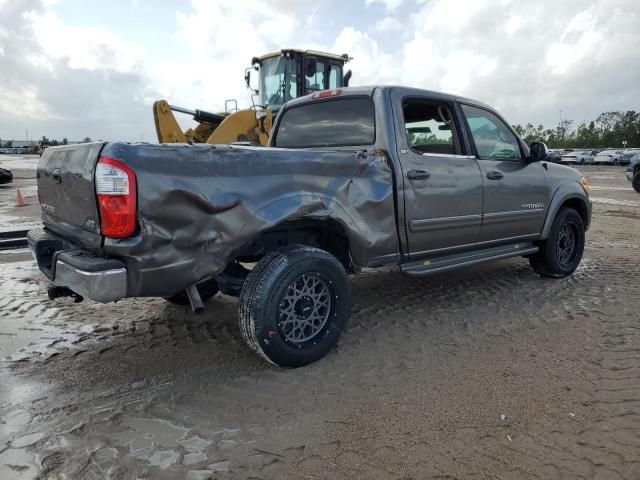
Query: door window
[[314, 77], [429, 127], [334, 76], [491, 135]]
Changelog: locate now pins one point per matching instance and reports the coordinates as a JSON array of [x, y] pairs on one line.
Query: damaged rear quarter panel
[[199, 204]]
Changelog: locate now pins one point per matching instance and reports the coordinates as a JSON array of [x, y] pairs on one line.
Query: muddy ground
[[492, 372]]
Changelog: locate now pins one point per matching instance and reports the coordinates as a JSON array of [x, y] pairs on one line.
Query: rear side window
[[329, 123]]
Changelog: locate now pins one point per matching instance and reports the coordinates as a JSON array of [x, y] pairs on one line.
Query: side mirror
[[247, 78], [538, 151], [346, 78]]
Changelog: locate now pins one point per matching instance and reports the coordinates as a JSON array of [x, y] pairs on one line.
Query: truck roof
[[368, 90]]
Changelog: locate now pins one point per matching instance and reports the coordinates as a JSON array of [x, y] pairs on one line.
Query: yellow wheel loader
[[282, 75]]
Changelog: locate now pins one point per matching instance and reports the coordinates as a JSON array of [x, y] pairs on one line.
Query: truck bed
[[198, 205]]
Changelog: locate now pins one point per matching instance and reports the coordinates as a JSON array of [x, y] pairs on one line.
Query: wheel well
[[325, 233], [579, 206]]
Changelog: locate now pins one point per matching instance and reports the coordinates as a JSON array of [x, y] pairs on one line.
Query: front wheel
[[561, 252], [616, 162], [635, 182], [294, 306]]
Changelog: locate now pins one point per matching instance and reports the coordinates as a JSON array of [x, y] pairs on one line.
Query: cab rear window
[[328, 123]]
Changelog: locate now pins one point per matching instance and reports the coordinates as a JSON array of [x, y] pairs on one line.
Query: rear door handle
[[494, 175], [57, 175], [418, 174]]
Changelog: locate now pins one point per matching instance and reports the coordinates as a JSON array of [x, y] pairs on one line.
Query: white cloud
[[389, 4], [387, 24], [75, 80], [370, 65]]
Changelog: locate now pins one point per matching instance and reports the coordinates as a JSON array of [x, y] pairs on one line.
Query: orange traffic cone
[[20, 198]]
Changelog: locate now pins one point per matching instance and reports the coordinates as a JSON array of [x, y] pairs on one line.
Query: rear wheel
[[635, 182], [206, 289], [561, 252], [294, 306]]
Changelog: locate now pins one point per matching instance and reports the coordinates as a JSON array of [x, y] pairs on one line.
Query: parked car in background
[[554, 156], [5, 176], [612, 157], [578, 156], [628, 154], [633, 172]]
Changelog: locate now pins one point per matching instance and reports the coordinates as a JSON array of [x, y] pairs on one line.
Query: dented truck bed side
[[198, 205]]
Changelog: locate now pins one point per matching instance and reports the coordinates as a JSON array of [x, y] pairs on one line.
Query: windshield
[[277, 82]]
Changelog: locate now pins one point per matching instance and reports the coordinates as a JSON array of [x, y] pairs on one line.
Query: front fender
[[568, 191]]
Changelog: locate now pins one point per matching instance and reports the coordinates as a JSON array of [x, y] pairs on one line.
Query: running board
[[450, 262]]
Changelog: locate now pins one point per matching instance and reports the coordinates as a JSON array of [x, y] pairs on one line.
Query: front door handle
[[494, 175], [418, 174], [57, 175]]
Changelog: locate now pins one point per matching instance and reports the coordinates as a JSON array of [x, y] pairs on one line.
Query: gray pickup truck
[[352, 178], [633, 172]]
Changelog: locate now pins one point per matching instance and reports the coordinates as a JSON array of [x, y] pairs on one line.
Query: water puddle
[[613, 201]]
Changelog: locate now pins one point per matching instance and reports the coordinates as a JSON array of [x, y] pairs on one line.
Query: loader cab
[[290, 74]]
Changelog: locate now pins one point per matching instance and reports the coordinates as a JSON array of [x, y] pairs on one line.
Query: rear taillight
[[116, 191]]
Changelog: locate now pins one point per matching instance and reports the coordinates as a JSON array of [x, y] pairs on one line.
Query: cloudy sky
[[76, 68]]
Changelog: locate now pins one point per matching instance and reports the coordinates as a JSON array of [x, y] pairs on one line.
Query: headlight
[[585, 184]]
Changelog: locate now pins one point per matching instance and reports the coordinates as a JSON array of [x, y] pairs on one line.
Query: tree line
[[609, 130], [44, 142]]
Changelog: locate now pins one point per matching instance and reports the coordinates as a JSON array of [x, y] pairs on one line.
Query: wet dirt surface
[[23, 168], [492, 372]]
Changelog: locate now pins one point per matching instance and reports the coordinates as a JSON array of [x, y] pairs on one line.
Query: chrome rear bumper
[[102, 286]]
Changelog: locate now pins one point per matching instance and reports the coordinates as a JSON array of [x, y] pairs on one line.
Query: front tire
[[561, 252], [294, 306], [635, 182]]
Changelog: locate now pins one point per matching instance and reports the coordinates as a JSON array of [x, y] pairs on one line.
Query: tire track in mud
[[390, 318]]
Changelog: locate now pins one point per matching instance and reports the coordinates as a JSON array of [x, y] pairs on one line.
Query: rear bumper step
[[101, 279]]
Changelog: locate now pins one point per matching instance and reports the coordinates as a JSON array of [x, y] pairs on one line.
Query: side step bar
[[450, 262]]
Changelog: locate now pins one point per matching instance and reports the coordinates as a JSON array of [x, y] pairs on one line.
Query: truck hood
[[562, 172]]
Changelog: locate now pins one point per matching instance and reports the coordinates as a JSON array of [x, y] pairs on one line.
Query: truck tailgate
[[67, 193]]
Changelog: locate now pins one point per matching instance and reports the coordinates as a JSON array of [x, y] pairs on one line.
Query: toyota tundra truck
[[353, 178]]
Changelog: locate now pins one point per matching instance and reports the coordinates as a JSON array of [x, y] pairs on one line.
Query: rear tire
[[561, 252], [294, 306], [206, 289], [635, 182]]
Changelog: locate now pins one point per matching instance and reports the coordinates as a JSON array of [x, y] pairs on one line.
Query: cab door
[[515, 190], [442, 185]]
